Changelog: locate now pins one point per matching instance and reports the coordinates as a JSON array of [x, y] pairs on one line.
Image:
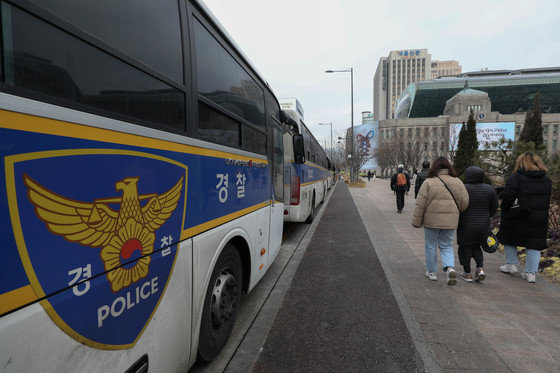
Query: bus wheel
[[312, 212], [221, 304]]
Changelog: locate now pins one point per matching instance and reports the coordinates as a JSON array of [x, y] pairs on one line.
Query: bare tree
[[361, 157], [454, 130], [383, 156], [339, 157], [497, 159], [399, 149]]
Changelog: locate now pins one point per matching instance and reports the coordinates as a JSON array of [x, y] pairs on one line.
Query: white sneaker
[[451, 276], [431, 275], [530, 277], [508, 268]]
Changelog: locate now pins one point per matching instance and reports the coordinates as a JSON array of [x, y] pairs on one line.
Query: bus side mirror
[[287, 119], [299, 149]]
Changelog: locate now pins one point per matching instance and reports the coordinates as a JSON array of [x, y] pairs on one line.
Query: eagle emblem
[[126, 237]]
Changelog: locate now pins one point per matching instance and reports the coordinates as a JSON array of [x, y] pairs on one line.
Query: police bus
[[142, 184], [305, 167], [330, 174]]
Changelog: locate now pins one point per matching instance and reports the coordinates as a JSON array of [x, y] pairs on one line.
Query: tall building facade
[[445, 68], [427, 111], [394, 73]]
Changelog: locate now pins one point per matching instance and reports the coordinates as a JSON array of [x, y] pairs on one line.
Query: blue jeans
[[532, 258], [443, 238]]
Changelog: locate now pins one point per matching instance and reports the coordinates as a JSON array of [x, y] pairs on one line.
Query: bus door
[[277, 210]]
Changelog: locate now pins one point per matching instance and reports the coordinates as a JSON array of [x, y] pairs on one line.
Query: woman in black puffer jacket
[[474, 223], [525, 203]]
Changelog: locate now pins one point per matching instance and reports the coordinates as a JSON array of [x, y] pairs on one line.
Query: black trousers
[[466, 252], [400, 198]]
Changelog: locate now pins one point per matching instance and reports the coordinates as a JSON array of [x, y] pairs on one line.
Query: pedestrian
[[525, 202], [474, 223], [442, 197], [400, 184], [369, 174], [421, 177]]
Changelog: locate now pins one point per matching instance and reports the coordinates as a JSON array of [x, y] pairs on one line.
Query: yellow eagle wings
[[94, 224]]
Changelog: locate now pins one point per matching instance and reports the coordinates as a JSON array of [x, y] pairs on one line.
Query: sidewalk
[[340, 313], [503, 324]]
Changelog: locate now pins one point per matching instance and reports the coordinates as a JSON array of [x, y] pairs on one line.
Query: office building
[[445, 68], [394, 73]]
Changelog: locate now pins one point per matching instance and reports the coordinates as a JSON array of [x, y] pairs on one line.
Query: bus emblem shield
[[96, 231]]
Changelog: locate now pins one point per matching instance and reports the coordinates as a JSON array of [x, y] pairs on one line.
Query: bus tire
[[312, 212], [221, 304]]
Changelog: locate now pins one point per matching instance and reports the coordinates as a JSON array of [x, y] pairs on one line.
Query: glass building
[[509, 91]]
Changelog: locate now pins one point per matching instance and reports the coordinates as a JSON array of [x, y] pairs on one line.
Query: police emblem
[[97, 225], [97, 250]]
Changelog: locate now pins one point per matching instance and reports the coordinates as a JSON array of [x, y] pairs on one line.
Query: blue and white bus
[[305, 177], [142, 184]]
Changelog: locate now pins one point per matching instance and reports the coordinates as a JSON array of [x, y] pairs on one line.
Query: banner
[[366, 138], [486, 133]]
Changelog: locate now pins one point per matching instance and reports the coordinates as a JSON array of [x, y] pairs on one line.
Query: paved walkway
[[340, 313], [503, 324]]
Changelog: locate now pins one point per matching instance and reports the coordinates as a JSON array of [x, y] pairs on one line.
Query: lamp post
[[328, 124], [351, 71]]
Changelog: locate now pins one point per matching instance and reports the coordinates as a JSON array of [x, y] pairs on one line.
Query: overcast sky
[[292, 43]]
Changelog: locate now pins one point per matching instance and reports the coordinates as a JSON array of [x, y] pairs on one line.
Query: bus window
[[156, 43], [253, 140], [223, 81], [299, 150], [44, 59], [217, 127]]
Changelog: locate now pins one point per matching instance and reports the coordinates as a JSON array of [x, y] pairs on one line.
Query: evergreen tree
[[467, 147], [460, 155], [531, 137], [533, 129]]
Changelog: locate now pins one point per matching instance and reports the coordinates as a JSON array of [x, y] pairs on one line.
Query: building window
[[418, 132], [517, 130], [554, 144], [545, 130], [555, 128]]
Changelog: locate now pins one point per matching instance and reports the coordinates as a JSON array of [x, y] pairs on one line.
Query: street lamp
[[328, 124], [351, 71]]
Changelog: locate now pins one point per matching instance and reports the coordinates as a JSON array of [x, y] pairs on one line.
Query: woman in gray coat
[[474, 223]]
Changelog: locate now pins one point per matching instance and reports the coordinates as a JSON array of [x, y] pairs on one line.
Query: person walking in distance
[[474, 223], [442, 197], [369, 175], [422, 175], [400, 184], [525, 203]]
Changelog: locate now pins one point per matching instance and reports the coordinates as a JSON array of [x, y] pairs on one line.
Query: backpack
[[401, 179]]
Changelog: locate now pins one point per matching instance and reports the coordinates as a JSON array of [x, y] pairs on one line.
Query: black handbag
[[491, 244]]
